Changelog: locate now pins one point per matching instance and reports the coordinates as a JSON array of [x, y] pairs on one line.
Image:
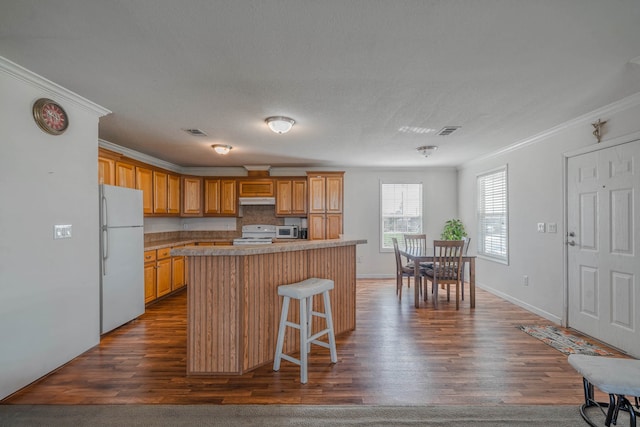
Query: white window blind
[[401, 211], [493, 230]]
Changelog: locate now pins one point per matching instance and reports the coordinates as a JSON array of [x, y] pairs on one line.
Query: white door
[[603, 270]]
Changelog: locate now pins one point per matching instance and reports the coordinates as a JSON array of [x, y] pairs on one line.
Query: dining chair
[[447, 266], [465, 249], [402, 270], [417, 242]]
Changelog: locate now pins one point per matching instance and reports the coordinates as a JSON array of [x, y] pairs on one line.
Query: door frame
[[626, 139]]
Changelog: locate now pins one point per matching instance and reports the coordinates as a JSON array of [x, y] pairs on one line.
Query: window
[[493, 226], [401, 211]]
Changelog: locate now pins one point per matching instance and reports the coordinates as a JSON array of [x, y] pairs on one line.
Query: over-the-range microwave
[[286, 232]]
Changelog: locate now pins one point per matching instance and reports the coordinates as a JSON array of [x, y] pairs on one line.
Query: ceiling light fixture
[[279, 124], [427, 150], [221, 148]]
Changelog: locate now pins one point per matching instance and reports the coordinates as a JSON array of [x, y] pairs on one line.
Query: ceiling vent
[[195, 132], [448, 130]]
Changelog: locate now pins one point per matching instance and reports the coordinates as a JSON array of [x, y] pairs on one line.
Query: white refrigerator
[[121, 256]]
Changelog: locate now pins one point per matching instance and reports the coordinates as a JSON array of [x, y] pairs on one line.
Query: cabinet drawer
[[149, 256], [164, 253]]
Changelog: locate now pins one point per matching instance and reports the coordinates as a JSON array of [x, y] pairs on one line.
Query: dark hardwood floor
[[398, 355]]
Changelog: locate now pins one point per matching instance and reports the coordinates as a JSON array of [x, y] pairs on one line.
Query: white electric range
[[256, 235]]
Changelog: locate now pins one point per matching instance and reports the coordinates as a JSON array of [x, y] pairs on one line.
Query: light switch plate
[[552, 227], [541, 227], [62, 231]]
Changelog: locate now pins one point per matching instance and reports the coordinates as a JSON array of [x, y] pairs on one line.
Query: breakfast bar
[[233, 306]]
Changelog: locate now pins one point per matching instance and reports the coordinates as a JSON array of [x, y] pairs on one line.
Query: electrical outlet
[[62, 231], [359, 260], [541, 227], [525, 280], [552, 227]]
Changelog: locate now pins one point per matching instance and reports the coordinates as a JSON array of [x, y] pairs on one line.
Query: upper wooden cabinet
[[191, 196], [144, 182], [291, 197], [326, 195], [106, 171], [173, 194], [256, 187], [166, 193], [125, 175], [220, 197], [160, 192]]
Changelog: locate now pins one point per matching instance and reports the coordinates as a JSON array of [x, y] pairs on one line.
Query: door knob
[[571, 243]]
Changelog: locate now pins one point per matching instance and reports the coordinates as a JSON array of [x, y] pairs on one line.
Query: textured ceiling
[[352, 73]]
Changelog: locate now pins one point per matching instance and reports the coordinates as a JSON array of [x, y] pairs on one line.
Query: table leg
[[472, 281]]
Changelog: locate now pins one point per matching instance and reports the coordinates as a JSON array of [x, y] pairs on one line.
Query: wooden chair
[[447, 266], [418, 242], [402, 270], [465, 249]]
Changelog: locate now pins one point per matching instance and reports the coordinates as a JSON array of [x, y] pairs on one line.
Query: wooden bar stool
[[304, 292]]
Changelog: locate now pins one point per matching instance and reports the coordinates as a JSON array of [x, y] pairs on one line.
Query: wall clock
[[50, 116]]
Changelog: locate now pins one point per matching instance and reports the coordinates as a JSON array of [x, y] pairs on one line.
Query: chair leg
[[281, 330], [457, 295], [329, 320], [304, 336]]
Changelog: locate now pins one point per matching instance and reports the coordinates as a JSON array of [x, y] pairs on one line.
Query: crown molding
[[144, 158], [615, 107], [54, 90]]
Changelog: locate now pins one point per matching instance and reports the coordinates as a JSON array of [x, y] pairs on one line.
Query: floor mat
[[563, 341]]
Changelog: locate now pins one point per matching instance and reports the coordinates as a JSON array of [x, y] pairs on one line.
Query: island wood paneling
[[234, 307]]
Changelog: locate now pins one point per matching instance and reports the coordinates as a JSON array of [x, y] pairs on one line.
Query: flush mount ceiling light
[[279, 124], [427, 150], [221, 148]]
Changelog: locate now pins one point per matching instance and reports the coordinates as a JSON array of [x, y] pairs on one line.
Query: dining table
[[426, 255]]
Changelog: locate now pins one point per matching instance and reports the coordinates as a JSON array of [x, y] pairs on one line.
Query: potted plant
[[453, 230]]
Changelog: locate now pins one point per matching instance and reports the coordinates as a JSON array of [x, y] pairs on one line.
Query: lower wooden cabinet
[[163, 273], [149, 276], [177, 272]]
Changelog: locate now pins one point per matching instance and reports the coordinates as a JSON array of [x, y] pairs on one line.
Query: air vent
[[448, 130], [195, 132]]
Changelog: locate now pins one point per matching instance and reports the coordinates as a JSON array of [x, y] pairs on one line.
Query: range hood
[[248, 201]]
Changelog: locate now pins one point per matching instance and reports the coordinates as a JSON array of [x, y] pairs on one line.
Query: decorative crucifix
[[597, 129]]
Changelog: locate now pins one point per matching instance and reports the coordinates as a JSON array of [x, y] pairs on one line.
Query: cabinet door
[[177, 272], [160, 184], [334, 194], [149, 281], [106, 171], [333, 226], [163, 276], [191, 196], [173, 194], [125, 175], [144, 182], [255, 188], [316, 194], [228, 198], [284, 202], [211, 196], [299, 197], [316, 224]]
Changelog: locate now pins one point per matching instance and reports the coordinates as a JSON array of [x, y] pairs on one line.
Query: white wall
[[362, 210], [536, 195], [49, 289]]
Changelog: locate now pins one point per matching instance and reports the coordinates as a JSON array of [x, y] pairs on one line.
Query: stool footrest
[[290, 359], [318, 335]]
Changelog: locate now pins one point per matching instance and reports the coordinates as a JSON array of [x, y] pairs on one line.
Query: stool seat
[[617, 377], [610, 374], [304, 291], [306, 288]]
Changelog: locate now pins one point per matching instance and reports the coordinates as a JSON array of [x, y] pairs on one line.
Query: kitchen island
[[233, 305]]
